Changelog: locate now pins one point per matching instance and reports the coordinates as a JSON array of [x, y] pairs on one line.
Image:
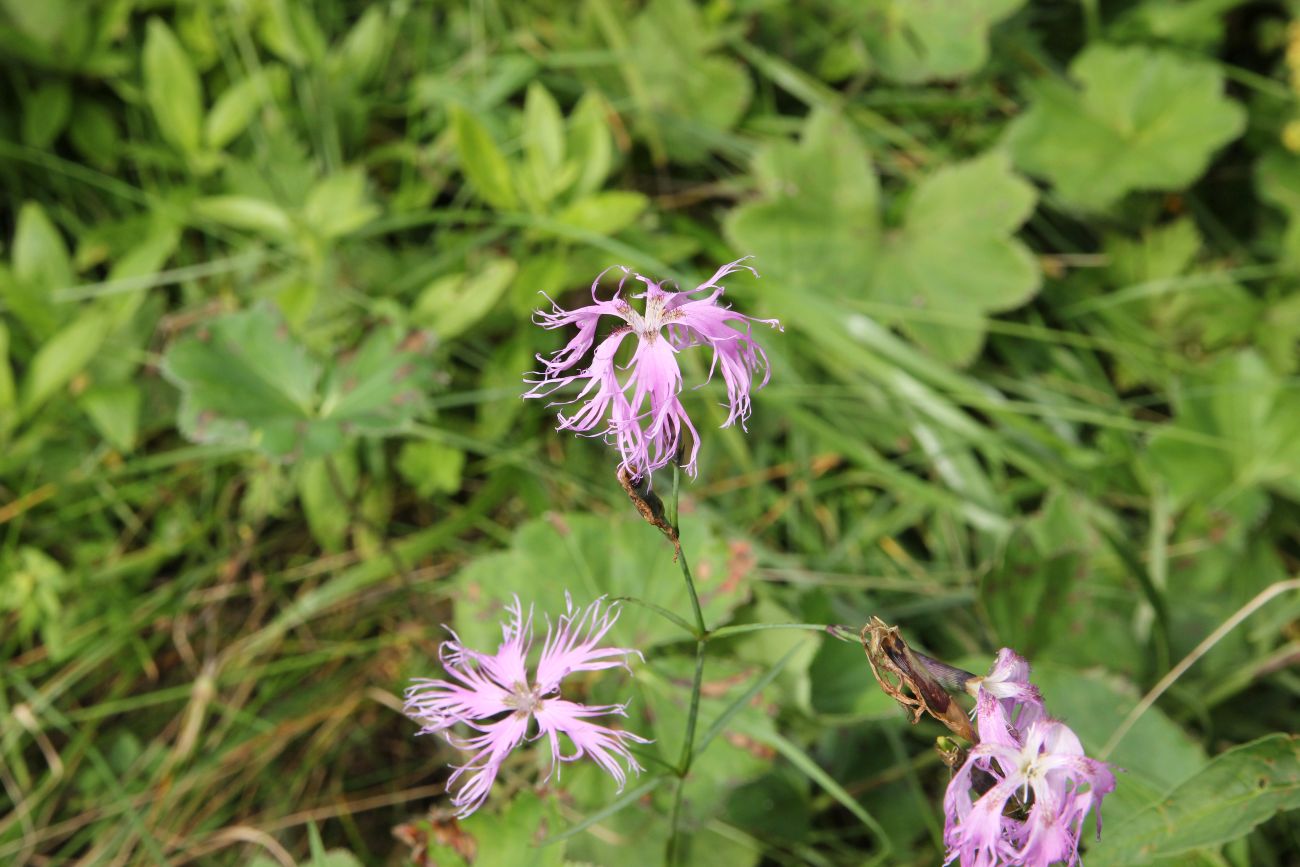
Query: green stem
[[692, 717]]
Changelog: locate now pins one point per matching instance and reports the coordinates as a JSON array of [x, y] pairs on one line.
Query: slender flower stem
[[692, 717]]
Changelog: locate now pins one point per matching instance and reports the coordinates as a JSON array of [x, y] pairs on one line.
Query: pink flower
[[1005, 701], [1054, 786], [640, 414], [494, 695], [1023, 755]]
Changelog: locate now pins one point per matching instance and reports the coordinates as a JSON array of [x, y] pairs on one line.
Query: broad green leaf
[[1238, 790], [245, 381], [172, 88], [62, 357], [816, 224], [380, 386], [1156, 751], [924, 40], [955, 254], [338, 204], [1277, 177], [1237, 425], [606, 213], [687, 96], [1140, 119], [511, 835], [451, 305], [817, 229], [590, 556], [483, 162]]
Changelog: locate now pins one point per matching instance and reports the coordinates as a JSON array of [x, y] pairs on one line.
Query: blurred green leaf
[[61, 358], [41, 265], [247, 213], [115, 412], [1237, 425], [1141, 119], [172, 88], [245, 381], [338, 204], [46, 113], [817, 229], [1156, 752], [924, 40], [590, 556], [606, 213], [483, 162], [1235, 792], [451, 305], [431, 468]]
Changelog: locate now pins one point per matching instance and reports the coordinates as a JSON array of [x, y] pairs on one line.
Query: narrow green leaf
[[62, 357], [483, 162], [172, 88]]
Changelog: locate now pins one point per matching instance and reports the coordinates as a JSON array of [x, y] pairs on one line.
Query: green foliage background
[[266, 281]]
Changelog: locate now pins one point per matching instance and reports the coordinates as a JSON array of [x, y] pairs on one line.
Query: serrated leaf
[[1237, 425], [955, 254], [172, 88], [590, 556], [817, 229], [380, 386], [1237, 791], [245, 381], [925, 40], [1140, 119], [483, 162]]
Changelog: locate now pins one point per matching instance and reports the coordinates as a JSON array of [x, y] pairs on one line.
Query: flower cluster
[[494, 695], [1023, 793], [640, 413]]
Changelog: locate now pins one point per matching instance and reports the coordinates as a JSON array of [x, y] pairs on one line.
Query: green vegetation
[[266, 276]]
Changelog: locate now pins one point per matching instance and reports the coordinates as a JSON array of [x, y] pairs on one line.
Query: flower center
[[524, 700]]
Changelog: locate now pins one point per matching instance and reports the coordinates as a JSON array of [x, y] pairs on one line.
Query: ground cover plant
[[959, 509]]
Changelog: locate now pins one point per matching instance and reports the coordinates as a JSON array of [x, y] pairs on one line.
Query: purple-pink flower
[[495, 695], [640, 413], [1024, 790]]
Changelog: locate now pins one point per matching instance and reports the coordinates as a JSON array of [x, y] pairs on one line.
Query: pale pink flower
[[1005, 701], [1054, 784], [640, 413], [1023, 755], [495, 695]]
